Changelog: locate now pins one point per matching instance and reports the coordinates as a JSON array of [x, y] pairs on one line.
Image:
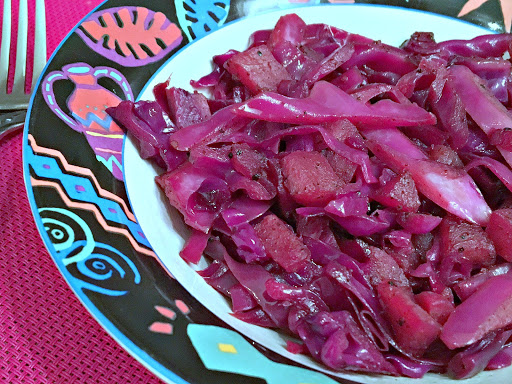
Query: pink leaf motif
[[131, 36], [506, 8]]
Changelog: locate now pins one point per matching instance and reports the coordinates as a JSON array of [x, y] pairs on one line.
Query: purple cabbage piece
[[244, 210], [351, 213], [327, 103], [337, 340], [356, 156], [259, 37], [326, 254], [481, 46], [220, 60], [452, 189], [381, 57], [392, 138], [495, 73], [197, 193], [361, 291], [289, 28], [302, 298], [502, 359], [484, 46], [210, 80], [366, 93], [195, 246], [430, 269], [418, 223], [448, 108], [195, 134], [478, 144], [480, 103], [241, 299], [364, 303], [426, 134], [317, 228], [466, 288], [248, 245], [348, 348], [252, 188], [322, 34], [218, 275], [326, 66], [474, 359], [411, 368], [152, 128], [350, 80], [255, 316], [349, 206], [500, 170], [485, 311], [213, 78], [421, 43], [253, 278], [294, 60]]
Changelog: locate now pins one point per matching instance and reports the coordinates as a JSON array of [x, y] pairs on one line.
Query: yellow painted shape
[[227, 348], [103, 135]]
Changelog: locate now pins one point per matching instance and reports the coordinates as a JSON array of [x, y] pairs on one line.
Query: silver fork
[[18, 99]]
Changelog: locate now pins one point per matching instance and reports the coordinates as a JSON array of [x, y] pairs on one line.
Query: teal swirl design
[[106, 271], [62, 234], [95, 266]]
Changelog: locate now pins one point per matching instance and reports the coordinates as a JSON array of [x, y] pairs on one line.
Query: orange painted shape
[[164, 328], [169, 313], [133, 34]]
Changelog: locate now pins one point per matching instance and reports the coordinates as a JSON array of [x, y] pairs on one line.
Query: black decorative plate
[[95, 201]]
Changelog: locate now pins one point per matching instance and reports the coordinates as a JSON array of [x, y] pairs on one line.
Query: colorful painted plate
[[95, 201]]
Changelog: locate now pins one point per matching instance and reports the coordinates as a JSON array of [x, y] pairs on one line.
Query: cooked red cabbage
[[350, 193]]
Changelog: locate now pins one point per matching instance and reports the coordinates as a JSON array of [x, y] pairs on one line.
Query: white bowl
[[162, 226]]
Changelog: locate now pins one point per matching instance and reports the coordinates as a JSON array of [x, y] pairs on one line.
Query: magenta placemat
[[46, 335]]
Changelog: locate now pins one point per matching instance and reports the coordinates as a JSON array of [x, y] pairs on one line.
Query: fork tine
[[39, 42], [5, 46], [21, 49]]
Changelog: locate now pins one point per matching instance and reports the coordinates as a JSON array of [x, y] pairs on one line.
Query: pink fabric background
[[46, 335]]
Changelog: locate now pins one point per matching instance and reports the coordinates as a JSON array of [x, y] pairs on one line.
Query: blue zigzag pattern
[[81, 189]]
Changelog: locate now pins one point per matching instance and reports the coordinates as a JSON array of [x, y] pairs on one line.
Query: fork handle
[[11, 121]]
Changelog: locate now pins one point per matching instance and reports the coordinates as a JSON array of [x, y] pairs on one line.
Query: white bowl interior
[[162, 225]]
